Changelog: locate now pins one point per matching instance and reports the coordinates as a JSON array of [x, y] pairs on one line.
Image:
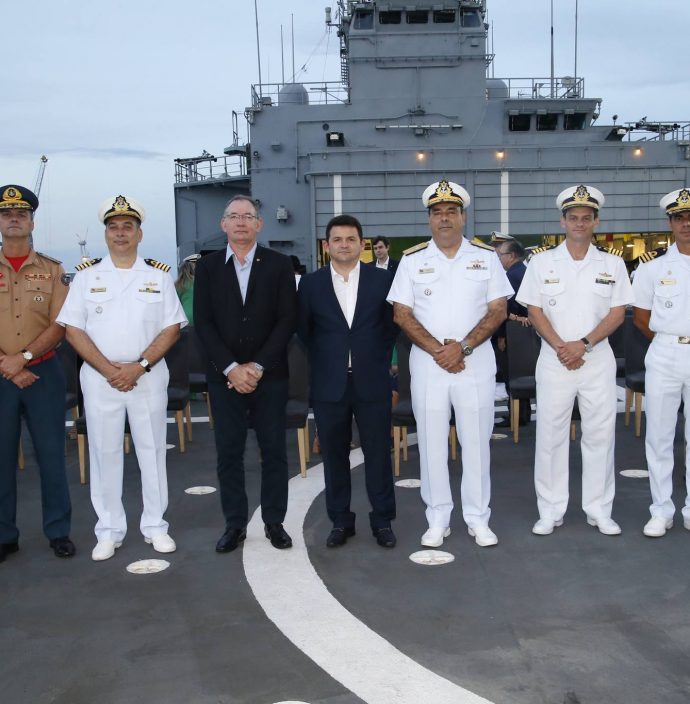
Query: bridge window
[[519, 123], [444, 16], [548, 122], [390, 17], [470, 18], [576, 121], [417, 16], [364, 19]]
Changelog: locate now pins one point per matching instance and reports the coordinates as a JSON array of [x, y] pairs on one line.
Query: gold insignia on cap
[[12, 198], [682, 202], [121, 206], [581, 197], [444, 193]]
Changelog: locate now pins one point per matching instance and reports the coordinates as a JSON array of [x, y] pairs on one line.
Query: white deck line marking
[[294, 597]]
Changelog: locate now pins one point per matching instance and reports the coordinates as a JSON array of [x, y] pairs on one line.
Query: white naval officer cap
[[675, 201], [446, 192], [580, 196], [120, 205]]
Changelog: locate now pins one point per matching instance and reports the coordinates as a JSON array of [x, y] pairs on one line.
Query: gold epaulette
[[50, 259], [648, 256], [482, 245], [158, 265], [539, 250], [417, 248], [611, 250], [87, 264]]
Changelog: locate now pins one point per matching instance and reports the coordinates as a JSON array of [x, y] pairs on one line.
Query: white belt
[[677, 339]]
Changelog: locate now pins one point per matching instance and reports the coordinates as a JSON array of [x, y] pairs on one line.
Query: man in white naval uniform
[[576, 296], [449, 296], [662, 312], [122, 315]]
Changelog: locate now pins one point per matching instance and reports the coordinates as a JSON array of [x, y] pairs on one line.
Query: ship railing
[[267, 95], [208, 168], [545, 88], [648, 131]]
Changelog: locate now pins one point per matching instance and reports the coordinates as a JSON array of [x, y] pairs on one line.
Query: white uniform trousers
[[105, 409], [594, 386], [471, 394], [667, 380]]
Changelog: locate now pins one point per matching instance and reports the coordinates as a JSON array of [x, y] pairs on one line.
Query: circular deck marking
[[148, 566], [431, 558], [409, 483], [634, 473], [498, 436], [370, 667], [200, 490]]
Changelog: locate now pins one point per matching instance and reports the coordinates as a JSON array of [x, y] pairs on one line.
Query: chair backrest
[[68, 358], [636, 345], [197, 364], [298, 366], [403, 346], [177, 359], [523, 345]]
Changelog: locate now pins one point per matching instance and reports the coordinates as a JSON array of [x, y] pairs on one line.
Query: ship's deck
[[572, 617]]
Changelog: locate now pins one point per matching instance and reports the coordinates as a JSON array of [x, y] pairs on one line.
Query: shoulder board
[[611, 250], [482, 245], [87, 264], [648, 256], [157, 265], [417, 248], [50, 259], [539, 250]]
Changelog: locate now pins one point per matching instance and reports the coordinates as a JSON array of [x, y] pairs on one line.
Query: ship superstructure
[[414, 103]]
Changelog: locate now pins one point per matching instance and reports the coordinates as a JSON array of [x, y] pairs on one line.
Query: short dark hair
[[242, 196], [514, 247], [381, 238], [344, 221]]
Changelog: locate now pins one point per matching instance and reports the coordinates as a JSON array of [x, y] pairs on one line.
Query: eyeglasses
[[241, 218], [502, 254]]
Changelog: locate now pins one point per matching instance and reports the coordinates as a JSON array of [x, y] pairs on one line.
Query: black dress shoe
[[231, 539], [277, 535], [7, 549], [339, 536], [62, 547], [385, 537]]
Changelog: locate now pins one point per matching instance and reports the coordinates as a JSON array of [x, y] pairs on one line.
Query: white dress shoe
[[483, 536], [607, 526], [162, 543], [433, 538], [657, 526], [104, 550], [545, 526]]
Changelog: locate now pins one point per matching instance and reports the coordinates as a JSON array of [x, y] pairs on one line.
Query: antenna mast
[[258, 47], [552, 69]]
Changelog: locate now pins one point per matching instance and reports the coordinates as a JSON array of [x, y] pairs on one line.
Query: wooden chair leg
[[302, 441], [453, 438], [210, 412], [307, 447], [180, 429], [396, 450], [188, 420], [81, 448], [515, 419], [128, 443], [638, 414], [573, 431], [404, 443], [628, 405], [20, 456]]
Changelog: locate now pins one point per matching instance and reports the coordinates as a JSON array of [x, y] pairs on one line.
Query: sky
[[113, 91]]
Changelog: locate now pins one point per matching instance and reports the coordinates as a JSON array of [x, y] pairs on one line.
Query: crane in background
[[39, 176]]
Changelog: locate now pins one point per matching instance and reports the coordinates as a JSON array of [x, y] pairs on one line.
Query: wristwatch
[[28, 356], [258, 367], [588, 345], [145, 364], [467, 349]]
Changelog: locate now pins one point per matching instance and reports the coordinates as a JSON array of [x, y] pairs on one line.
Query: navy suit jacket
[[392, 265], [323, 328]]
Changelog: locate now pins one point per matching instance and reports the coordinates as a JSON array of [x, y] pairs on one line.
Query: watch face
[[27, 355]]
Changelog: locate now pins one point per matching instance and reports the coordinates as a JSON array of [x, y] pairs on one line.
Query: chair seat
[[296, 413], [71, 400], [620, 367], [177, 399], [198, 382], [402, 413], [523, 387], [635, 381]]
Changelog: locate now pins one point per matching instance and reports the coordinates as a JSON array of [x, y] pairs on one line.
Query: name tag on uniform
[[430, 270], [668, 282], [97, 290], [600, 280], [37, 277], [148, 290], [552, 281], [478, 265]]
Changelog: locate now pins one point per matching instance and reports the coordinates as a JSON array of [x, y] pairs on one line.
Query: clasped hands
[[244, 378], [13, 368], [450, 357], [570, 354], [125, 375]]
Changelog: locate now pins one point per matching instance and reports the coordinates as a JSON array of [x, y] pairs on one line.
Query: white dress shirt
[[346, 293]]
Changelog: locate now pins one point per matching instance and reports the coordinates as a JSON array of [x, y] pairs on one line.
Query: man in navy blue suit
[[348, 327]]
